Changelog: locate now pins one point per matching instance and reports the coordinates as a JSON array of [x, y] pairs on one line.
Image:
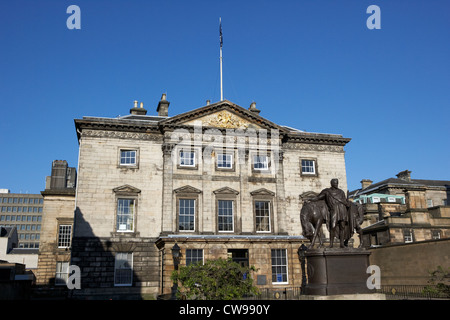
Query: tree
[[439, 282], [215, 280]]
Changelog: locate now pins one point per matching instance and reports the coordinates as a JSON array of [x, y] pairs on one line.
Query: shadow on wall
[[106, 264]]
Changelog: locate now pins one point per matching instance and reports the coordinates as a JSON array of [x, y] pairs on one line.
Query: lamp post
[[301, 255], [176, 254]]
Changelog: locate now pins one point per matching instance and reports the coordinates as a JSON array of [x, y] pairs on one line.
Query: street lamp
[[176, 255]]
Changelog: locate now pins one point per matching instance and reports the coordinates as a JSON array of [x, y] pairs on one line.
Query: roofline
[[161, 124]]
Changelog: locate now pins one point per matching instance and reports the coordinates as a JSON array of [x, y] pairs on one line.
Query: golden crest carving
[[226, 120]]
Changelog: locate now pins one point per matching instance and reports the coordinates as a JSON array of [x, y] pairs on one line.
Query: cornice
[[316, 138], [59, 192], [179, 122]]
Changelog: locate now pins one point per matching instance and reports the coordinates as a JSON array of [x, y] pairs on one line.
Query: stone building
[[405, 210], [57, 227], [218, 181]]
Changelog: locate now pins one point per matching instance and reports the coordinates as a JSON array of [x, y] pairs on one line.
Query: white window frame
[[307, 166], [186, 215], [229, 161], [435, 234], [408, 237], [226, 216], [182, 159], [261, 217], [134, 158], [123, 262], [129, 226], [257, 161], [376, 200], [62, 273], [64, 235], [279, 265]]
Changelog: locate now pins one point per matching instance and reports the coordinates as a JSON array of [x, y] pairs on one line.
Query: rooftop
[[139, 121], [403, 180]]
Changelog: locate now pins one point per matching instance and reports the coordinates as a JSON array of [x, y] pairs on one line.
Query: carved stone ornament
[[226, 120], [121, 135]]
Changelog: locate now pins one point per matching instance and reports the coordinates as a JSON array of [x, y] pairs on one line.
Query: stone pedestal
[[335, 271]]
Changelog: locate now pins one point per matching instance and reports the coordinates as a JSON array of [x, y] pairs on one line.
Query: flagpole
[[221, 80]]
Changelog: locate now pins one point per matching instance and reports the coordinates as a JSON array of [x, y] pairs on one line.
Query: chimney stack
[[365, 183], [163, 107], [405, 175], [138, 111], [62, 176], [253, 108]]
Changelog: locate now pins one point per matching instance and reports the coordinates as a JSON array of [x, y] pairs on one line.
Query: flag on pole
[[221, 37]]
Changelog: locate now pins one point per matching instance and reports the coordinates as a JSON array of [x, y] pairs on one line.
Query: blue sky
[[312, 65]]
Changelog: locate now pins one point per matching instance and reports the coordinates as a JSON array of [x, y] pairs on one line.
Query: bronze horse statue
[[314, 214]]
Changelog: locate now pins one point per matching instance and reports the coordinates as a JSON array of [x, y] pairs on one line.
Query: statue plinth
[[333, 271]]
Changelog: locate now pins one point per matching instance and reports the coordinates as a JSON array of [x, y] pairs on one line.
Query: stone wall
[[410, 264], [96, 259], [99, 173]]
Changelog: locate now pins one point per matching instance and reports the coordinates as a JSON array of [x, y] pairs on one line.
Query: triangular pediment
[[221, 115], [126, 188], [262, 192], [223, 119], [187, 189], [226, 190]]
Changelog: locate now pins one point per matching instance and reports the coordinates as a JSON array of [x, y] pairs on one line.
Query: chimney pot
[[138, 111], [253, 108]]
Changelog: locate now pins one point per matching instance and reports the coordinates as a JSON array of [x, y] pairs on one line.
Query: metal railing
[[392, 292], [291, 293], [407, 292]]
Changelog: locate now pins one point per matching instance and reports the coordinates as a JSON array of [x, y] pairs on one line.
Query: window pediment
[[226, 190], [187, 189], [262, 192], [126, 189]]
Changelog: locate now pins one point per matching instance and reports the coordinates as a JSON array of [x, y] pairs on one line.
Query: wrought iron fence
[[392, 292], [291, 293], [406, 292]]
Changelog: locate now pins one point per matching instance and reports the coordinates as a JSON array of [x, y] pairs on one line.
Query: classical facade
[[218, 181]]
